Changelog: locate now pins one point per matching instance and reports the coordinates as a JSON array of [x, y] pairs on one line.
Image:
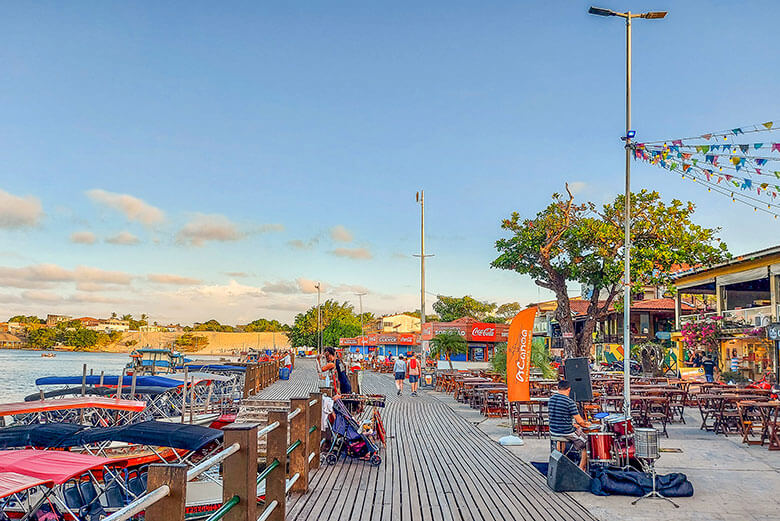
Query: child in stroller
[[351, 439]]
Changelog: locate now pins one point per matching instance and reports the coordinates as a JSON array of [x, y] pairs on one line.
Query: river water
[[20, 368]]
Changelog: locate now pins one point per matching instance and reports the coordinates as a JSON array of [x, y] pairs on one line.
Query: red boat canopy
[[11, 483], [50, 465], [86, 402]]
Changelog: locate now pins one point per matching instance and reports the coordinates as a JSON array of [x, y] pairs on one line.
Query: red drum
[[620, 425], [600, 446]]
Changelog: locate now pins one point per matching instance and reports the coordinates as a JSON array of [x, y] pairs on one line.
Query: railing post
[[315, 438], [276, 449], [299, 459], [239, 472], [170, 508]]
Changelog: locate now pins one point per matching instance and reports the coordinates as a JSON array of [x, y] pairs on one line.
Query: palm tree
[[448, 344]]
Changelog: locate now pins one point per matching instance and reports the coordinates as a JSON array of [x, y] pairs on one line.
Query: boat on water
[[47, 354], [155, 361], [96, 471]]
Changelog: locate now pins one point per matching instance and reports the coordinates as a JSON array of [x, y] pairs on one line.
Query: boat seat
[[72, 496], [88, 492], [114, 496], [144, 478], [135, 486]]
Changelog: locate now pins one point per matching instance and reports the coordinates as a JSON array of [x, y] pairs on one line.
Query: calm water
[[19, 369]]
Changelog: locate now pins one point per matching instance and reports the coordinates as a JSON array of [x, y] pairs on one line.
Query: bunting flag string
[[725, 135], [748, 173]]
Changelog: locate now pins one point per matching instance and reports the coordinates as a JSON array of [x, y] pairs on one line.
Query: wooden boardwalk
[[437, 466]]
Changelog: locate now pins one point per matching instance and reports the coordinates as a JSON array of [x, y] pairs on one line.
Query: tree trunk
[[449, 359]]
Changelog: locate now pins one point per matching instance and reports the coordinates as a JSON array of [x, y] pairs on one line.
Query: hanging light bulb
[[755, 209], [709, 189]]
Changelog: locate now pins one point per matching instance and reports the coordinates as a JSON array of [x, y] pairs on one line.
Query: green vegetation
[[26, 320], [453, 308], [190, 342], [448, 344], [338, 320], [568, 243], [70, 333], [540, 358], [262, 325], [213, 325]]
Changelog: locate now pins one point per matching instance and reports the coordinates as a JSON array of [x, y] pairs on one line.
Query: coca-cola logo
[[483, 331]]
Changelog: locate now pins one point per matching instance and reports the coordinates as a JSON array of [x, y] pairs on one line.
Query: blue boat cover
[[47, 435], [217, 367], [60, 435], [112, 381]]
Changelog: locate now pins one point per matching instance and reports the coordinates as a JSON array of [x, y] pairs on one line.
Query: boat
[[48, 355], [154, 361]]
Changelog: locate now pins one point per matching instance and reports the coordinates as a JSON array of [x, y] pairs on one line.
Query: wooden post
[[276, 449], [299, 459], [172, 507], [353, 381], [239, 476], [247, 380], [315, 438]]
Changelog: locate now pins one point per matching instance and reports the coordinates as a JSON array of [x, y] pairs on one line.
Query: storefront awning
[[696, 284], [743, 276], [774, 269]]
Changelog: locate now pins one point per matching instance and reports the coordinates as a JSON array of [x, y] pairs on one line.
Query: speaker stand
[[654, 493]]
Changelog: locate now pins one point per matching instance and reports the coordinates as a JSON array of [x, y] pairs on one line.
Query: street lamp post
[[362, 333], [628, 16], [319, 321], [422, 255]]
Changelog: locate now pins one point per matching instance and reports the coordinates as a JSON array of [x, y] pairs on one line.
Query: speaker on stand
[[577, 371]]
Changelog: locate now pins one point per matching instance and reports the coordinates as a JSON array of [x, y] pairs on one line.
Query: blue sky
[[219, 159]]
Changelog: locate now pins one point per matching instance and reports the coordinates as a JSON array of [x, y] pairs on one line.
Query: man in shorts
[[413, 369], [399, 368], [563, 415]]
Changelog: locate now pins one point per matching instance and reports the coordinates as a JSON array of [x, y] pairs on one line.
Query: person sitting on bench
[[563, 415]]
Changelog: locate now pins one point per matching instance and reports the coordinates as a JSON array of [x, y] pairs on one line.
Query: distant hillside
[[218, 343]]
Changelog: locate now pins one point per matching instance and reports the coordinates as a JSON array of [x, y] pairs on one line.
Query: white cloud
[[298, 244], [133, 208], [83, 237], [46, 275], [577, 187], [282, 287], [309, 286], [164, 278], [19, 212], [340, 234], [123, 238], [209, 227], [237, 274], [353, 253]]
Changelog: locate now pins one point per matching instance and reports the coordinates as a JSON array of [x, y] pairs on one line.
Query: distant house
[[152, 329], [9, 341], [53, 320], [401, 323], [110, 325], [88, 322]]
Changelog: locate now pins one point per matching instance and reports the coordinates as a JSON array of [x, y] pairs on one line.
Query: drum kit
[[611, 441]]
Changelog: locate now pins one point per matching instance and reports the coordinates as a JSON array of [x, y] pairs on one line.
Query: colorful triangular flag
[[768, 124]]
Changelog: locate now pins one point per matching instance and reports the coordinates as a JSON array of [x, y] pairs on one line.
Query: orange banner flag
[[518, 355]]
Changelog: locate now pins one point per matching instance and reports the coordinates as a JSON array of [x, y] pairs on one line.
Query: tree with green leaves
[[453, 308], [540, 358], [508, 310], [213, 325], [304, 330], [567, 242], [262, 325], [448, 344], [32, 319]]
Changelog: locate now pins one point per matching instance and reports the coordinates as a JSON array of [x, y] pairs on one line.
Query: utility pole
[[362, 333], [628, 16], [319, 321], [422, 255]]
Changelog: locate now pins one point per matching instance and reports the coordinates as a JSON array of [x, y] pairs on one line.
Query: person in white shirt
[[399, 368]]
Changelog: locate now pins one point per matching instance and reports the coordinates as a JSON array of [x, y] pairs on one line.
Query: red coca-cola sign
[[486, 332]]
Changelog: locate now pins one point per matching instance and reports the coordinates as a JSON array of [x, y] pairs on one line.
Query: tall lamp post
[[319, 321], [362, 333], [628, 16], [421, 199]]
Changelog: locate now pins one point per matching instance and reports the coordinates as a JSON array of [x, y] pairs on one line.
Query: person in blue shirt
[[564, 415]]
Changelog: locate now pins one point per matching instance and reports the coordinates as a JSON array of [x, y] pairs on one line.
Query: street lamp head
[[655, 15], [600, 11]]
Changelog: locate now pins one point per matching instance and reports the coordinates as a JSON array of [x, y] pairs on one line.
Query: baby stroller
[[350, 439]]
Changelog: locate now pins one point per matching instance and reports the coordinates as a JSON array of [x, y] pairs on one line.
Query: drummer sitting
[[563, 415]]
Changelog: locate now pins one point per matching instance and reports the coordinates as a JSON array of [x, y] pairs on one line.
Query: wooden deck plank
[[437, 467]]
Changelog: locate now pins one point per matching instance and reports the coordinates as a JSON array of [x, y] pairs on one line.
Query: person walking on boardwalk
[[399, 368], [413, 369], [341, 383]]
